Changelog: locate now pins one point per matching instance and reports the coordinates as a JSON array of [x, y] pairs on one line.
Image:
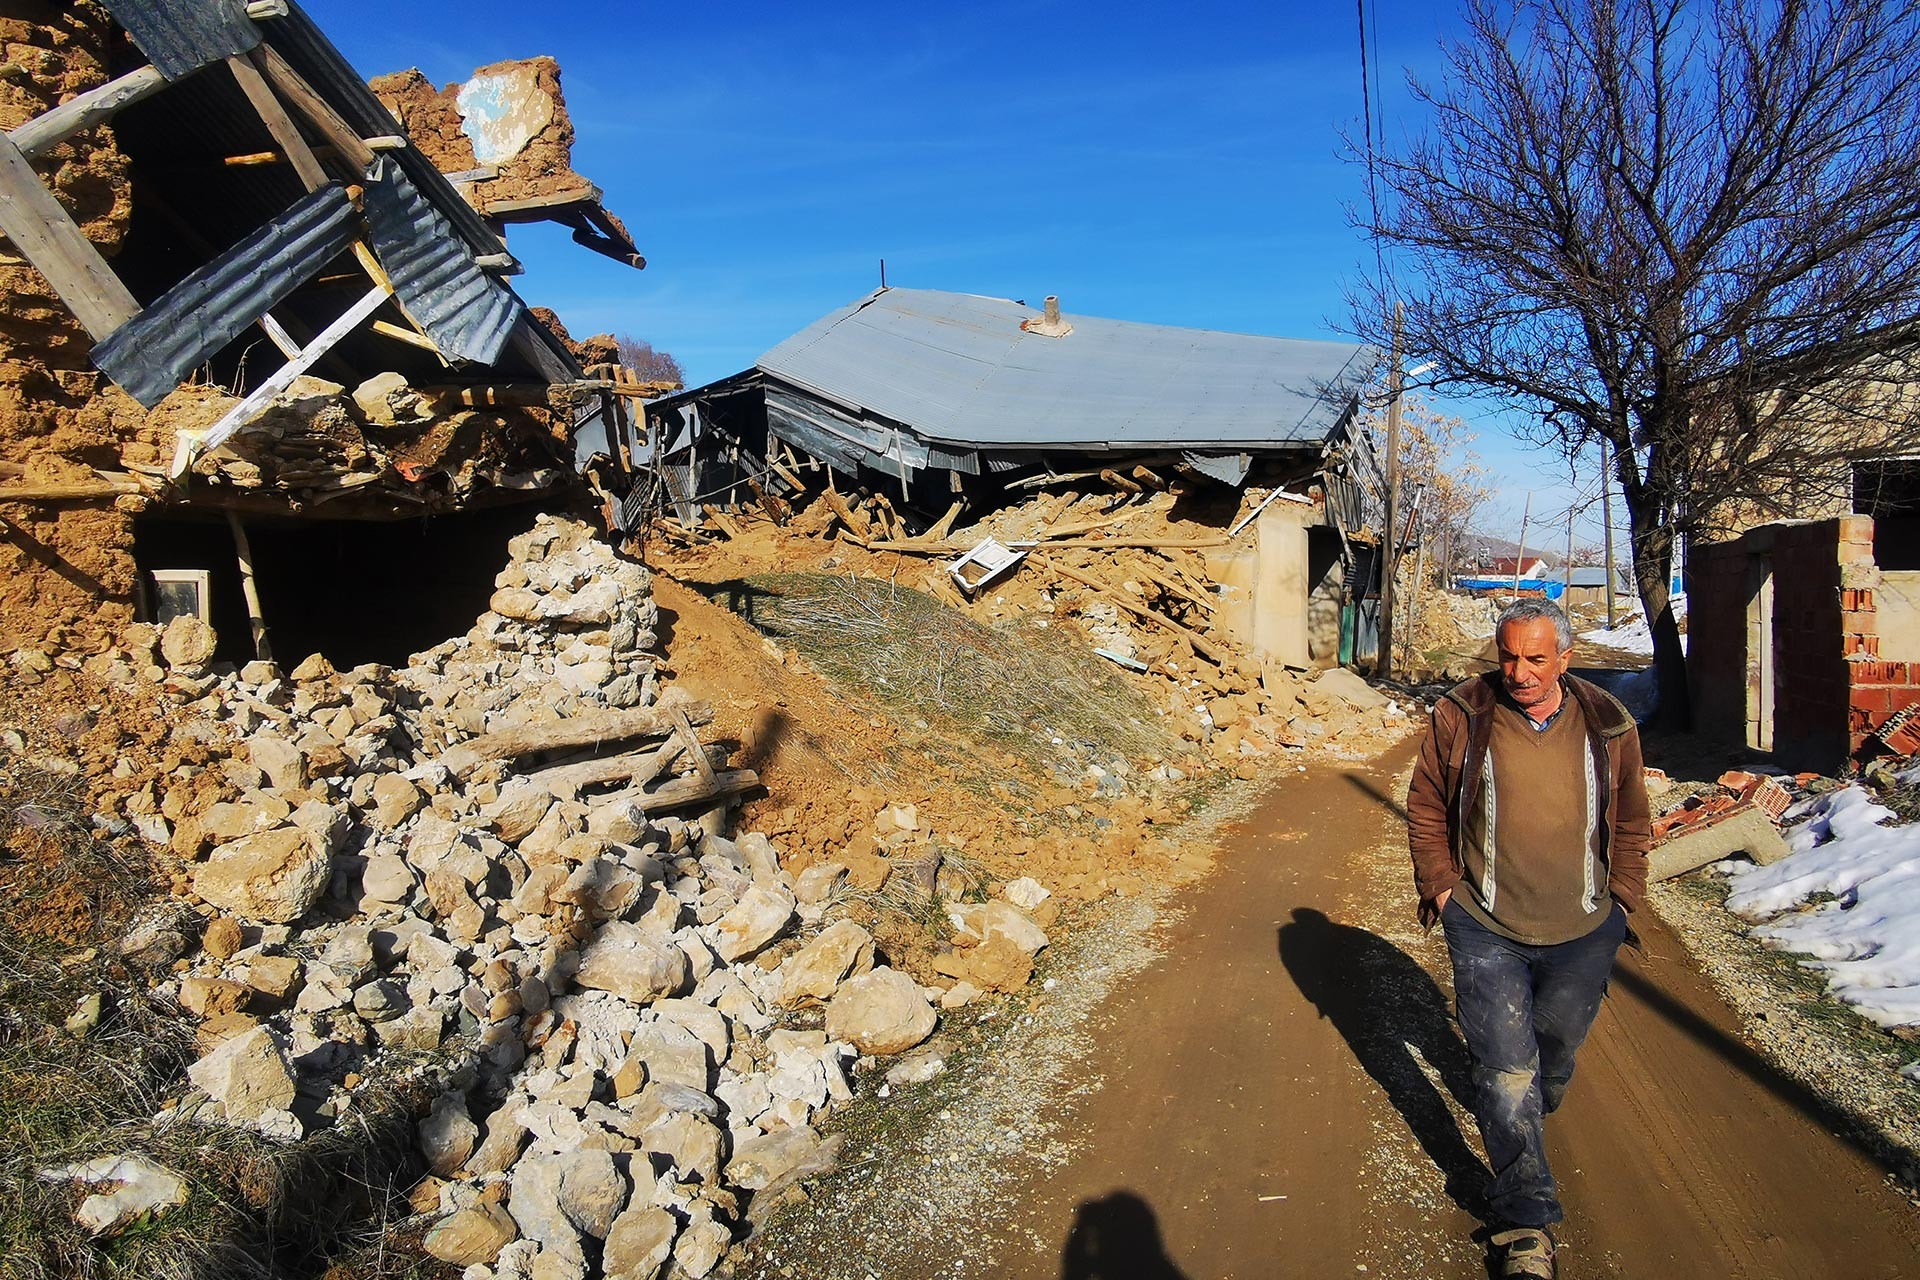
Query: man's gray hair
[[1528, 608]]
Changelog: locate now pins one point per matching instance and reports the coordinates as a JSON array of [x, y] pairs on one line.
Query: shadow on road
[[1116, 1238], [1367, 787], [1388, 1009]]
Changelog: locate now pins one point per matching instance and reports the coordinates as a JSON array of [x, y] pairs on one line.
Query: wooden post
[[1520, 560], [1606, 517], [1389, 554], [243, 552], [294, 87], [47, 236], [84, 110], [278, 122]]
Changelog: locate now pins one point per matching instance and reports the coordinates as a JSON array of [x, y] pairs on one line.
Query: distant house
[[1512, 567], [953, 402]]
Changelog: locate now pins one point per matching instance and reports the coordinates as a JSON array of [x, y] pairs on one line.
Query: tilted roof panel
[[959, 368]]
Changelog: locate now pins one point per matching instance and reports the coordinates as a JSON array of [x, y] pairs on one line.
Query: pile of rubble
[[503, 869], [1741, 816], [382, 442], [1136, 574]]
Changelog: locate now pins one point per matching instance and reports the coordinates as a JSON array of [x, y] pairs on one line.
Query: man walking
[[1528, 824]]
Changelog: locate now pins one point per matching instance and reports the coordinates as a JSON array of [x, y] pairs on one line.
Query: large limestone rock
[[247, 1076], [188, 644], [639, 1244], [881, 1012], [557, 1197], [757, 919], [816, 970], [977, 922], [270, 877], [784, 1155], [471, 1237], [1344, 685], [632, 964], [448, 1136]]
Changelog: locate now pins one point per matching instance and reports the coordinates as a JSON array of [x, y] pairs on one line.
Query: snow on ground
[[1634, 635], [1865, 937]]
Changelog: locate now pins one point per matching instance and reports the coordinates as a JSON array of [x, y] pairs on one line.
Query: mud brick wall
[[66, 569], [1832, 688]]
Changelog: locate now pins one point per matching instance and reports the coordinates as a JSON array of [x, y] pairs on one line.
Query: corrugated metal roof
[[958, 368], [150, 354], [306, 48], [465, 311], [181, 36]]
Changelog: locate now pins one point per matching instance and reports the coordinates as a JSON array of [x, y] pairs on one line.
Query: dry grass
[[255, 1210], [1015, 684]]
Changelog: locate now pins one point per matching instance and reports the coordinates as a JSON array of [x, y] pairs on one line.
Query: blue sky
[[1179, 164]]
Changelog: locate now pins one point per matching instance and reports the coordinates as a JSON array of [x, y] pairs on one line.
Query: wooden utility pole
[[1606, 518], [1520, 560], [1383, 662], [1569, 565]]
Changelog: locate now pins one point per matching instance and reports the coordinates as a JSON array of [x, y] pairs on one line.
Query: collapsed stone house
[[952, 404], [259, 354]]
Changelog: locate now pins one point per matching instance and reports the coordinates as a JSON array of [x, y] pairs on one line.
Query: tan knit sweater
[[1532, 858]]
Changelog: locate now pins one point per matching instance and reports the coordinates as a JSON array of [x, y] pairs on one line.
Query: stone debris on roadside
[[390, 878]]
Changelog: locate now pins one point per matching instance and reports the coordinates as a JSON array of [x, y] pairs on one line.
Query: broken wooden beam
[[83, 111], [576, 731], [253, 83], [293, 86], [693, 789], [48, 238], [263, 395], [1201, 645], [633, 768]]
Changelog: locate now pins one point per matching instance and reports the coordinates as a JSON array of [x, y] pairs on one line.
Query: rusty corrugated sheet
[[468, 313], [151, 353], [181, 36]]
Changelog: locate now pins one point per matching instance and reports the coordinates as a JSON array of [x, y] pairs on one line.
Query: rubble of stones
[[646, 1018]]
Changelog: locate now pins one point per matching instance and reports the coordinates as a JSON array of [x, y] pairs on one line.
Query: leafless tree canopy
[[1687, 228], [650, 363]]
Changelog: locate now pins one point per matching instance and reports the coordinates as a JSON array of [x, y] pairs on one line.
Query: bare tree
[[650, 363], [1688, 229]]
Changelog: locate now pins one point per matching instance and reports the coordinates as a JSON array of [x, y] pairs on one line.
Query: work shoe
[[1528, 1253]]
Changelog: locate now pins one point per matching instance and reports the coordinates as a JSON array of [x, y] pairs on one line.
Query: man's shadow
[[1116, 1238], [1387, 1008]]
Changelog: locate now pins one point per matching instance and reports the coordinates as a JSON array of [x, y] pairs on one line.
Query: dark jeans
[[1524, 1010]]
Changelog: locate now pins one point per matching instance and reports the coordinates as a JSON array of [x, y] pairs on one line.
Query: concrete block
[[1746, 830]]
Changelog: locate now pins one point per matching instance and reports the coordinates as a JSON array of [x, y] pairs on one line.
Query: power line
[[1366, 122]]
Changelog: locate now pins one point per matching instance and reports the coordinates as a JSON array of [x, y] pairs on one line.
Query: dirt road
[[1277, 1100]]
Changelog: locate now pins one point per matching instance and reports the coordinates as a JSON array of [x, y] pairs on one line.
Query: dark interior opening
[[1889, 491], [354, 591]]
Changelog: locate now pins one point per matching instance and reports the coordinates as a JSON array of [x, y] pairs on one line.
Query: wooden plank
[[358, 151], [66, 492], [281, 338], [387, 329], [591, 730], [691, 741], [47, 236], [505, 209], [82, 111], [243, 554], [1201, 645], [278, 122], [263, 395]]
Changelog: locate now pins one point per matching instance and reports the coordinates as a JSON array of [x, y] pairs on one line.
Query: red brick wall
[[1830, 687]]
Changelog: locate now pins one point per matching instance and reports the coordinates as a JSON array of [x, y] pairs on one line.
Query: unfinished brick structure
[[1801, 643]]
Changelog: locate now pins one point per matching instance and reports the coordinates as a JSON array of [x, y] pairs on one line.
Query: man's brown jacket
[[1449, 771]]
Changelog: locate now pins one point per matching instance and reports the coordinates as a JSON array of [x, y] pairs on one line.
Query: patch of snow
[[1634, 635], [1866, 939]]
